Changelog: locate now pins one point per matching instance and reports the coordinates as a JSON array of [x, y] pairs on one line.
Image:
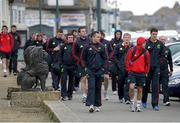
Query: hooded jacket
[[113, 43], [140, 65], [6, 43]]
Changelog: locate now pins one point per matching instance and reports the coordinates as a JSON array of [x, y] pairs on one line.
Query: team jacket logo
[[65, 48], [120, 48], [53, 43], [90, 49], [158, 46], [81, 46], [16, 37], [149, 47], [114, 44]]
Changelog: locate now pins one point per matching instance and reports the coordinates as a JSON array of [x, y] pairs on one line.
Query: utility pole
[[57, 15], [98, 13], [91, 15], [40, 16], [11, 13]]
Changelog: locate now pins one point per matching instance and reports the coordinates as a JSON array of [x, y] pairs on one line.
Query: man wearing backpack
[[155, 48], [6, 46], [137, 65]]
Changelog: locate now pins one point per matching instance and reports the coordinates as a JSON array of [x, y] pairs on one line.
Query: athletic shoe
[[121, 100], [167, 104], [132, 106], [84, 99], [127, 102], [138, 107], [156, 108], [91, 109], [144, 105], [97, 109], [114, 92], [105, 95]]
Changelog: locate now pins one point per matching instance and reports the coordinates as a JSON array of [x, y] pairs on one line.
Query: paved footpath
[[113, 111], [14, 114]]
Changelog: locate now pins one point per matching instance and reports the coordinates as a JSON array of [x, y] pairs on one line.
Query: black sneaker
[[14, 73], [69, 98], [5, 75]]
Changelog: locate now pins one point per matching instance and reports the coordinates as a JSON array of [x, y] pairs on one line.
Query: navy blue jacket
[[156, 51]]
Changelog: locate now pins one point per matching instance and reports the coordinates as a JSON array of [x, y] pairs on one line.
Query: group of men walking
[[78, 60]]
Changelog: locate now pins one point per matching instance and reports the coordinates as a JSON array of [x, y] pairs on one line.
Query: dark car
[[174, 80]]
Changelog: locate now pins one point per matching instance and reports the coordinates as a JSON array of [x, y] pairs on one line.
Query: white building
[[4, 13]]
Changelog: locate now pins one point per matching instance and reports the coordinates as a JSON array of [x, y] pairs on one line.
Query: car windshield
[[174, 48]]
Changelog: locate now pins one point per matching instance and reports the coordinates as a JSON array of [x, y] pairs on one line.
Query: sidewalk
[[12, 114]]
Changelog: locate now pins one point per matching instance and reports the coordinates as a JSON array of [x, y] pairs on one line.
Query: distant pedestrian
[[6, 47], [14, 54], [165, 72]]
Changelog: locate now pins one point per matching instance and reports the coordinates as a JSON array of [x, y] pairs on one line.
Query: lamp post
[[40, 16], [11, 14], [98, 13], [57, 14]]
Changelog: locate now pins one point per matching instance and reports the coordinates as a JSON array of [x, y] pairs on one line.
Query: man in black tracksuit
[[165, 60], [80, 43], [116, 40], [93, 60], [14, 53], [68, 68], [53, 48], [155, 48], [119, 58]]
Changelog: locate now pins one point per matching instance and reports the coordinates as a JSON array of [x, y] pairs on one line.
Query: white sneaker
[[127, 102], [167, 104], [97, 109], [84, 99], [132, 107], [105, 95], [138, 107], [91, 109], [121, 100], [114, 92]]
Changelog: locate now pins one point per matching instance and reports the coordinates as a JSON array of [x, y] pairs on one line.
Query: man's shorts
[[138, 78], [4, 55]]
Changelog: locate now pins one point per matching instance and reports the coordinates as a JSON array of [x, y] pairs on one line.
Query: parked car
[[174, 80], [174, 47]]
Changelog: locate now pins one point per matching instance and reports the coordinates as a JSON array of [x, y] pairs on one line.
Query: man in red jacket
[[6, 46], [137, 64]]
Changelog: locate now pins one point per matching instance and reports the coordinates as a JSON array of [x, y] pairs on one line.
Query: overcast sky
[[140, 7]]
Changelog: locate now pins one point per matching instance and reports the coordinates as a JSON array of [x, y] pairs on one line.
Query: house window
[[18, 13]]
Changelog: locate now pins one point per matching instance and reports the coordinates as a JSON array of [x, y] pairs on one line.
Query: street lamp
[[40, 16], [98, 4], [57, 15], [10, 4]]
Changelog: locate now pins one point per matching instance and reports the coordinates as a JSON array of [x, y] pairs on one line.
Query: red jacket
[[6, 43], [140, 65]]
